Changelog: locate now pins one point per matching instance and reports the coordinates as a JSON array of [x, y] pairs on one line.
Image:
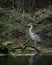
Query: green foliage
[[47, 20], [10, 21], [6, 21]]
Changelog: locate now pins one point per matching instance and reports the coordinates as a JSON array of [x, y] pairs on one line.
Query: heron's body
[[34, 36]]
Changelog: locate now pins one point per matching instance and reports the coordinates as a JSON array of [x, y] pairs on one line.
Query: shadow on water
[[24, 60]]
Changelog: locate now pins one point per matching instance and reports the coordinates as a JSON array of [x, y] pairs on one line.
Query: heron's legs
[[35, 44]]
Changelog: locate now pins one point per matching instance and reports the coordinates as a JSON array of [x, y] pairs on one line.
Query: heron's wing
[[37, 37]]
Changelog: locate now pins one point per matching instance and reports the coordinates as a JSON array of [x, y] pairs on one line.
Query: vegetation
[[13, 30]]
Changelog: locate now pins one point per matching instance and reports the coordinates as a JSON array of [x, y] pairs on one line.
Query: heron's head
[[29, 25]]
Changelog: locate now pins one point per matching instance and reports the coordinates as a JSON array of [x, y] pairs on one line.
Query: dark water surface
[[24, 60]]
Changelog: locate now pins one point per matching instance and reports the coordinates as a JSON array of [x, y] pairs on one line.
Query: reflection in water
[[24, 60], [42, 60], [31, 57]]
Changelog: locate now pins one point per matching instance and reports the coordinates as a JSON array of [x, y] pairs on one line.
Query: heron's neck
[[30, 30]]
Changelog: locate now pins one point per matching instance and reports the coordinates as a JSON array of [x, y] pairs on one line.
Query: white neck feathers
[[30, 29]]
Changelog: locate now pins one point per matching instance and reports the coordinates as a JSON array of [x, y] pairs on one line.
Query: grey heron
[[35, 37]]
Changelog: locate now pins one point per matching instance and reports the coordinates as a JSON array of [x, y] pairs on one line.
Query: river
[[24, 60]]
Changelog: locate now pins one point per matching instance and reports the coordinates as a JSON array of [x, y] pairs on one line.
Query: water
[[42, 60], [24, 60]]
